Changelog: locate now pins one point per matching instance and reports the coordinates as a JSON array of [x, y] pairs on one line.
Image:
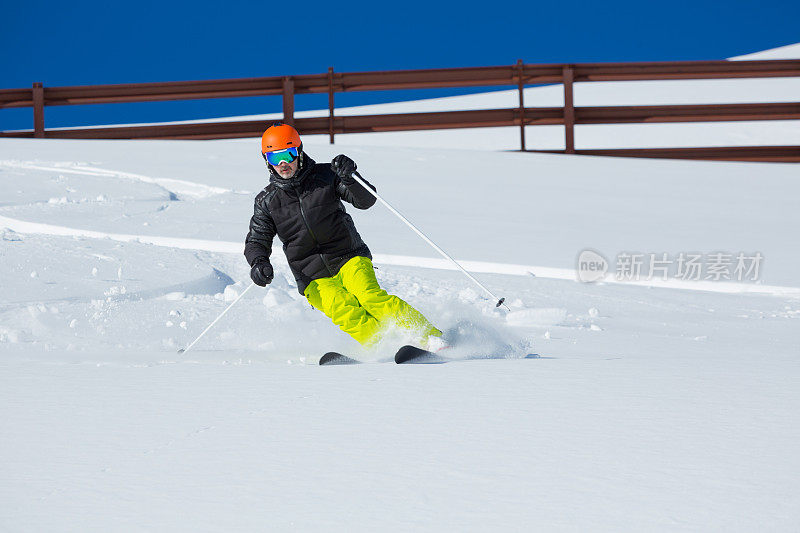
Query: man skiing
[[303, 206]]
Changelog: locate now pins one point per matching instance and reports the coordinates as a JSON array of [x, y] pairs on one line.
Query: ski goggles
[[279, 156]]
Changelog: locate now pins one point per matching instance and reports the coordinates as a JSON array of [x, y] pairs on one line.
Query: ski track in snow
[[173, 186], [407, 261]]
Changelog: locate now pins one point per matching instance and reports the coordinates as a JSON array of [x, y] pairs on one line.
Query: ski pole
[[184, 350], [360, 180]]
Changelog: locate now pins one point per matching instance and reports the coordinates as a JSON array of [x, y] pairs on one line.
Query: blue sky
[[84, 43]]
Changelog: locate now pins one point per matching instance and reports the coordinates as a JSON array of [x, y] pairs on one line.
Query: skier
[[332, 266]]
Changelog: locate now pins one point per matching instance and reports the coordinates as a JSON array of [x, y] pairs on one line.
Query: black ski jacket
[[307, 215]]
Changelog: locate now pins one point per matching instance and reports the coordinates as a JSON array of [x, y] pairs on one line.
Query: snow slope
[[646, 408], [612, 406], [790, 51]]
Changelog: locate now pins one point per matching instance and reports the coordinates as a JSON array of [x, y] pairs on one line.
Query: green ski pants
[[357, 304]]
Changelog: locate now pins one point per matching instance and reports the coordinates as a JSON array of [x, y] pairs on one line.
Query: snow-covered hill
[[790, 51], [658, 405]]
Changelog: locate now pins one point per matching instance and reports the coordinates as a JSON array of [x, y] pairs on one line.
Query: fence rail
[[517, 75]]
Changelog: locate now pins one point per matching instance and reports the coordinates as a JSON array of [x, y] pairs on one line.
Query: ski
[[405, 355], [335, 358], [412, 355]]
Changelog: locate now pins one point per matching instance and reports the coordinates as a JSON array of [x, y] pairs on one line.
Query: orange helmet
[[278, 137]]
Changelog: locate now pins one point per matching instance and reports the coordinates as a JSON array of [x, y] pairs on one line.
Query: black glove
[[344, 167], [262, 273]]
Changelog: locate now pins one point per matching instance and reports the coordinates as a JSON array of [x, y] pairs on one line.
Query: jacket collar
[[305, 169]]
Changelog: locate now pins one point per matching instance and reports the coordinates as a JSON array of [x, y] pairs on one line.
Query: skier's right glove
[[262, 273]]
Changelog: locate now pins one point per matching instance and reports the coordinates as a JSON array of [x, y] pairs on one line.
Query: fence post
[[288, 100], [569, 110], [38, 110], [520, 72], [330, 103]]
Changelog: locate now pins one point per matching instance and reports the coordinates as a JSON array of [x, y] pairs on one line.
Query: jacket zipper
[[308, 227]]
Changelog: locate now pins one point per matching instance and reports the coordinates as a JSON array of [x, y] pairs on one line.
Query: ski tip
[[181, 350], [412, 354], [335, 358], [328, 358]]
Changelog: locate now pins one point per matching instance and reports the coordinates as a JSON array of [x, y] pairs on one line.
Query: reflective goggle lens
[[277, 157]]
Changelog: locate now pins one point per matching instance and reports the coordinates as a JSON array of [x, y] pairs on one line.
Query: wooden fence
[[518, 76]]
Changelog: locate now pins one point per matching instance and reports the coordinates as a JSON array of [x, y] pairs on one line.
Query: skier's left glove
[[344, 167]]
